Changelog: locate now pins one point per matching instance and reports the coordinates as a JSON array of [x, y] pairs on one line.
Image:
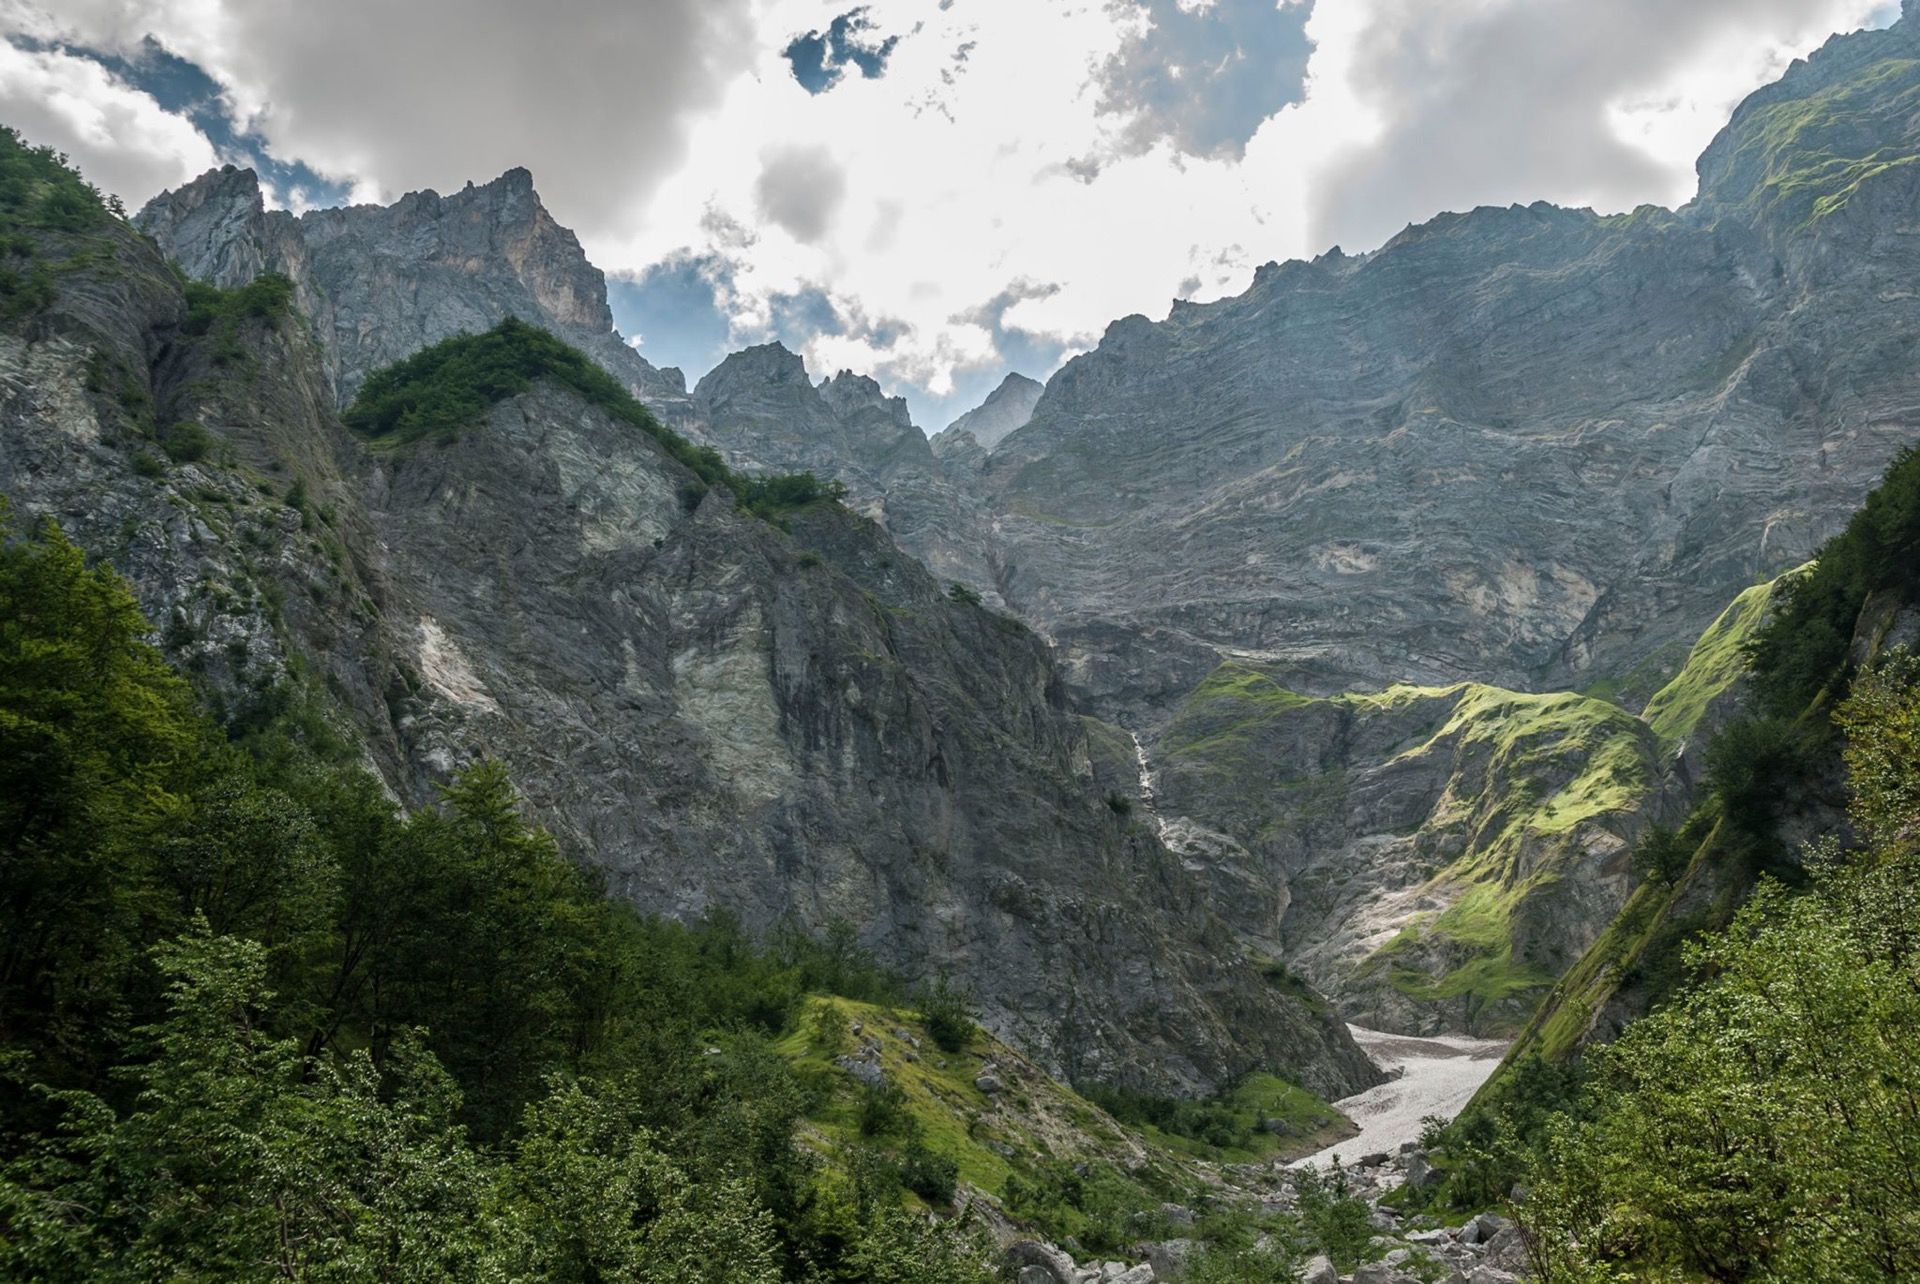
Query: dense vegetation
[[1800, 653], [255, 1022], [1766, 1124], [39, 192], [440, 390], [1761, 1122]]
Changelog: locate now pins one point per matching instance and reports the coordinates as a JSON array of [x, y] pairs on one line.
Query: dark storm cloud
[[820, 58], [799, 189], [1206, 78], [1508, 103]]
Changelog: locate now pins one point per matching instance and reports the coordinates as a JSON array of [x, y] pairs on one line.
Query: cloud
[[594, 95], [120, 137], [820, 58], [1204, 74], [799, 189], [1583, 104]]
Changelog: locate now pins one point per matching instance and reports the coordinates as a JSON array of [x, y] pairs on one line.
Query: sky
[[933, 192]]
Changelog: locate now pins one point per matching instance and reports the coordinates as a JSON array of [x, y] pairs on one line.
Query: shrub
[[948, 1012], [928, 1174], [1661, 855], [962, 594], [186, 442], [883, 1110], [145, 465]]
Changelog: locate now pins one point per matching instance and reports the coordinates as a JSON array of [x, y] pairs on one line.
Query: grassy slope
[[1527, 771], [1033, 1123], [1713, 665], [1812, 154]]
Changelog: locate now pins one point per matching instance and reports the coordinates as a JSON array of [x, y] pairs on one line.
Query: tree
[[1661, 855]]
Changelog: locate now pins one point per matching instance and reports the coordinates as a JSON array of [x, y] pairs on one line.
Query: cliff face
[[1513, 452], [1529, 446], [717, 713]]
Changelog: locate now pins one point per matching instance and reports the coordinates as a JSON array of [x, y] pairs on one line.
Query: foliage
[[1748, 766], [1766, 1124], [217, 315], [1333, 1219], [928, 1174], [948, 1012], [255, 1022], [1661, 855], [1881, 719], [1801, 652], [39, 190], [962, 594], [186, 442], [39, 193]]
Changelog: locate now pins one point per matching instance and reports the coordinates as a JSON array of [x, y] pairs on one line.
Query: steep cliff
[[717, 713]]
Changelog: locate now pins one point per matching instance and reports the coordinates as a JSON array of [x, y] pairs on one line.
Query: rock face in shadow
[[718, 713]]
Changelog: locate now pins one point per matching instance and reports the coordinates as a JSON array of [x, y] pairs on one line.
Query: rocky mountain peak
[[851, 394], [382, 282], [1007, 408], [217, 227], [753, 369]]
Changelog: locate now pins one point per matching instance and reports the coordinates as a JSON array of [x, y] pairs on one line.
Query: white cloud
[[119, 137]]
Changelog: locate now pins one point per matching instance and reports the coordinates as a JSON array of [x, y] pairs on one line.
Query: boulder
[[1382, 1273], [1507, 1249], [1169, 1257], [1319, 1271], [1028, 1255], [1483, 1228]]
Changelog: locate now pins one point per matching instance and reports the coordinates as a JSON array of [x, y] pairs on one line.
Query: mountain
[[786, 721], [382, 282], [1391, 577], [1008, 407]]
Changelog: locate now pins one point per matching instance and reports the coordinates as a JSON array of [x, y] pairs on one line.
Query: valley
[[1281, 798]]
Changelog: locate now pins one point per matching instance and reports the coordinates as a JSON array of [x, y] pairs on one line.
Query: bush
[[928, 1174], [145, 465], [948, 1012], [1337, 1222], [883, 1110], [1661, 855], [1748, 763], [186, 442], [962, 594]]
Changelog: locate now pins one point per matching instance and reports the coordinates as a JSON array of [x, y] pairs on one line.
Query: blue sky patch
[[820, 58]]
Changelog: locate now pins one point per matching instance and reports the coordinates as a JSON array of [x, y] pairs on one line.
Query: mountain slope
[[699, 704]]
